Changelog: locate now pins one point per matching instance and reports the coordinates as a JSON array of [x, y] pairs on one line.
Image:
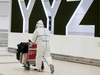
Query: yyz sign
[[50, 11]]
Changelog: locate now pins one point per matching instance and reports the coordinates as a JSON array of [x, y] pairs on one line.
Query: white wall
[[4, 14], [16, 38], [67, 45], [4, 23], [76, 46]]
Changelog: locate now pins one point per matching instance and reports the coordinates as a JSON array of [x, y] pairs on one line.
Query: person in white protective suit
[[41, 36]]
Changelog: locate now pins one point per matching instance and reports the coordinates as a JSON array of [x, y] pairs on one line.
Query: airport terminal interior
[[74, 38]]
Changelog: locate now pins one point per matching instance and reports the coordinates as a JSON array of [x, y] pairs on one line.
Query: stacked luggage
[[26, 54]]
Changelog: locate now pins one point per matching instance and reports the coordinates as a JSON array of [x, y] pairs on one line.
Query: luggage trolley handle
[[30, 42], [32, 45]]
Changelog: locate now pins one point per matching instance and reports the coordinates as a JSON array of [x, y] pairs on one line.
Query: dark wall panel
[[65, 11], [16, 17], [63, 15], [51, 1], [17, 21], [26, 2], [37, 14]]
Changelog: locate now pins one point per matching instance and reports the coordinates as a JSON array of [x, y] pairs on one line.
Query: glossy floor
[[10, 66]]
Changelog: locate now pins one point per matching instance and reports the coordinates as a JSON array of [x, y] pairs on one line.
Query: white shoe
[[52, 68]]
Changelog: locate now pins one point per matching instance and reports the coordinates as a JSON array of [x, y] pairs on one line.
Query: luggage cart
[[29, 58]]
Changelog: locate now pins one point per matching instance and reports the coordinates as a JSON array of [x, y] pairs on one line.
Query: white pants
[[43, 52]]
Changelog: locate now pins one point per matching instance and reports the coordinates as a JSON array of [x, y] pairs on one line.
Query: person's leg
[[39, 58], [48, 59]]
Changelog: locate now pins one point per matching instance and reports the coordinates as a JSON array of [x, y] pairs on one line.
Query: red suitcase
[[31, 55]]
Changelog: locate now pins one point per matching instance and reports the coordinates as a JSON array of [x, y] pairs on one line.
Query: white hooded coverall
[[41, 36]]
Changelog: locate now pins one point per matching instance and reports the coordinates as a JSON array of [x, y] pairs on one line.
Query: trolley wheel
[[28, 64], [27, 68], [24, 67], [42, 66]]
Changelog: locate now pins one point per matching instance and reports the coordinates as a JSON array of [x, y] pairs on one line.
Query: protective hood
[[39, 24]]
